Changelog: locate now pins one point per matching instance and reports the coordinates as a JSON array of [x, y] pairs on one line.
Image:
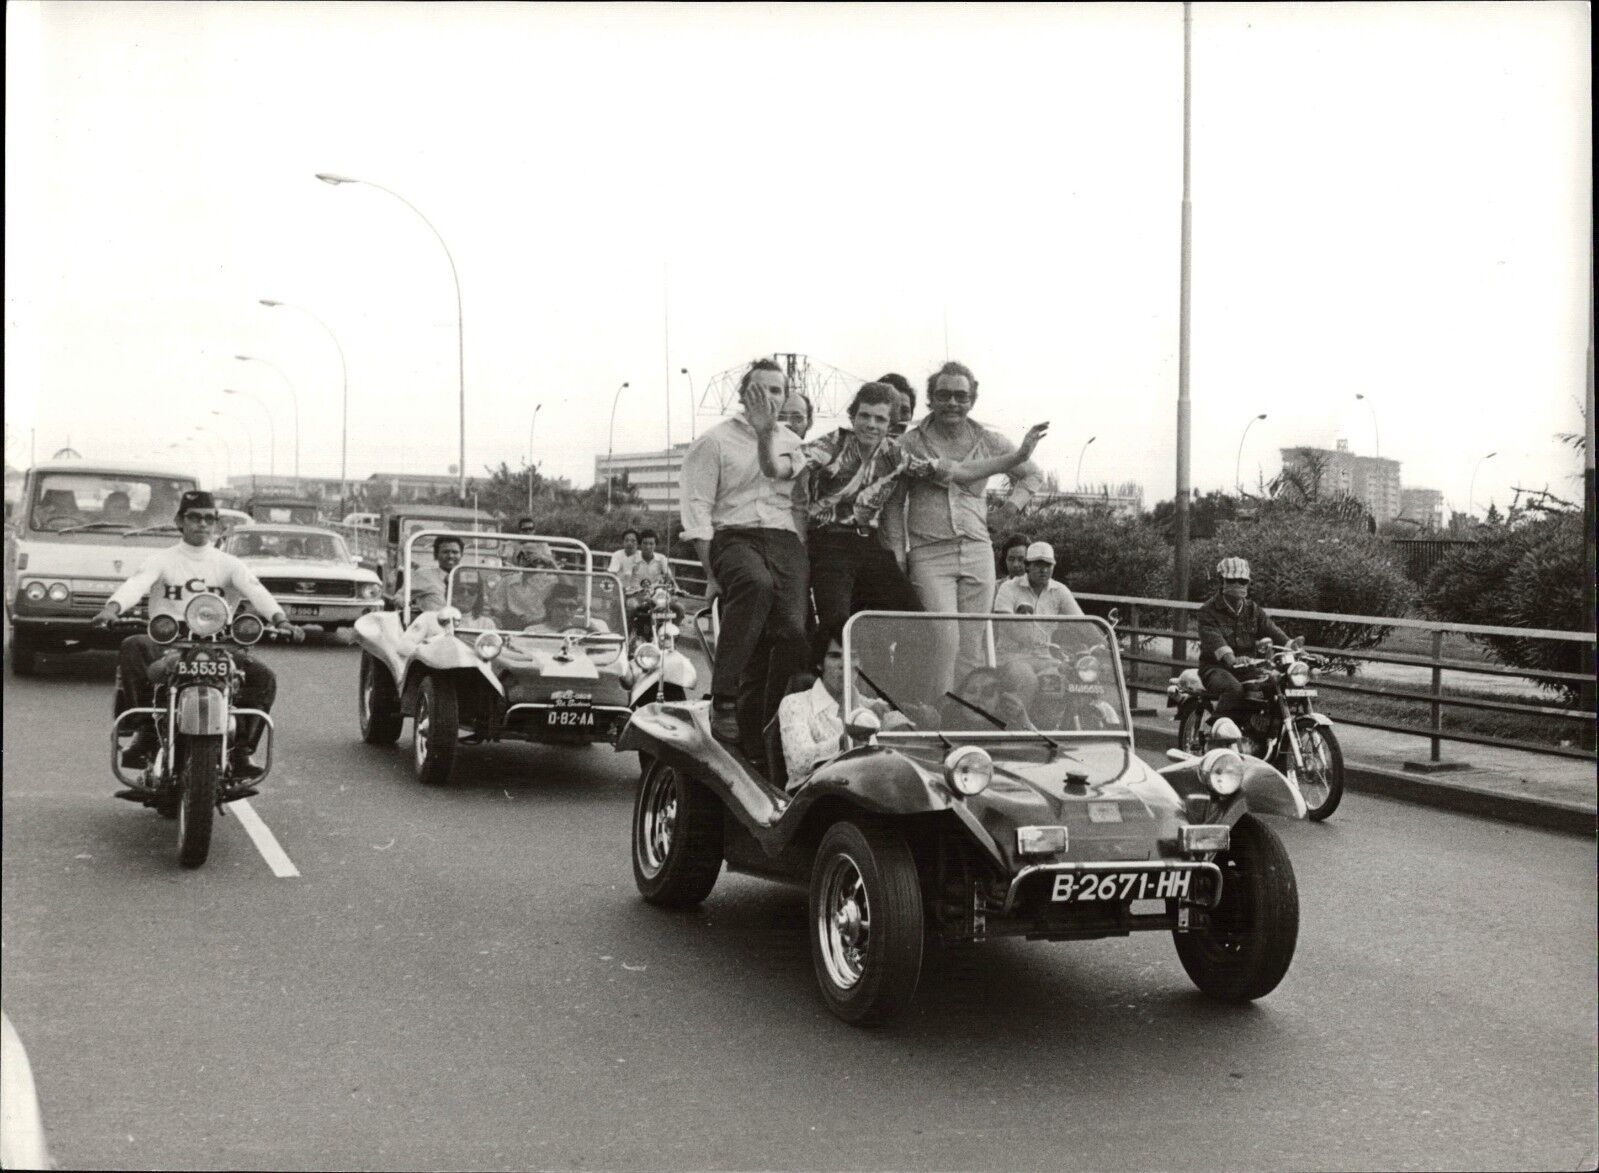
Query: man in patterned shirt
[[849, 474]]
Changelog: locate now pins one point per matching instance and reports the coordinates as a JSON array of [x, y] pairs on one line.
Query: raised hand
[[758, 407], [1030, 441]]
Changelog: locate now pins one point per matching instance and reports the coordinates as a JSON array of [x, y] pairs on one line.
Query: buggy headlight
[[969, 769], [58, 592], [1223, 771], [488, 645], [1299, 674], [647, 656], [163, 628], [206, 615], [34, 592]]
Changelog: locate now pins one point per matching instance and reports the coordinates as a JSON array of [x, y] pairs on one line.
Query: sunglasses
[[200, 518], [951, 397]]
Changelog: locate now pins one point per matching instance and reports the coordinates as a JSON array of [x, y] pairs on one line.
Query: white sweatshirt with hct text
[[175, 575]]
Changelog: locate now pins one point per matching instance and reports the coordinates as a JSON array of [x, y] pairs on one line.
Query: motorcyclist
[[171, 578], [1230, 621]]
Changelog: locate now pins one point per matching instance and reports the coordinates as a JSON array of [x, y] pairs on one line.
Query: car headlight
[[1299, 674], [488, 645], [163, 628], [1223, 771], [371, 590], [58, 592], [34, 592], [647, 656], [206, 615], [969, 769]]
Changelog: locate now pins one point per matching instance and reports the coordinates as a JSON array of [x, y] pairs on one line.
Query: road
[[465, 978]]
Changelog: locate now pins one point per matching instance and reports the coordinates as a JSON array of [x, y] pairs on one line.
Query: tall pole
[[294, 398], [610, 447], [1080, 456], [460, 325], [344, 411], [1587, 689], [227, 449], [272, 431], [1471, 493], [1180, 569], [693, 407], [249, 439], [666, 353], [1376, 436], [1238, 465], [530, 424]]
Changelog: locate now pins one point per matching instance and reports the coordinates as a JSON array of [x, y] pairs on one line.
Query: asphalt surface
[[466, 978]]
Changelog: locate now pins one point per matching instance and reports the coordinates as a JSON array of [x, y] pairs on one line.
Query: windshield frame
[[853, 700], [475, 625]]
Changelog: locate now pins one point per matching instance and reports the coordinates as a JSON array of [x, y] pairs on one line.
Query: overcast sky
[[1388, 199]]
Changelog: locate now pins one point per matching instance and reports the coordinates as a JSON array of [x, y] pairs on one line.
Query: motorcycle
[[1280, 725], [196, 681], [659, 671]]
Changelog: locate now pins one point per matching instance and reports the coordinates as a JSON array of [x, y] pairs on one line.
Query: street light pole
[[294, 398], [1184, 406], [1376, 436], [1080, 456], [693, 431], [1238, 465], [249, 440], [272, 436], [344, 411], [530, 424], [610, 447], [227, 449], [1471, 493], [460, 326]]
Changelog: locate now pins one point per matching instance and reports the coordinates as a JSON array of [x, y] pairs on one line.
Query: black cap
[[195, 499]]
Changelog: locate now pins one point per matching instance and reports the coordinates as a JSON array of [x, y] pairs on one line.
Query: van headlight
[[1299, 674], [647, 656], [58, 592], [969, 769], [488, 645], [206, 615], [1223, 771], [34, 592]]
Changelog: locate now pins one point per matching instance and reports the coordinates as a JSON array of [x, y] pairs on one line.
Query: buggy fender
[[1266, 791], [1309, 720], [678, 669], [446, 653], [202, 711], [679, 734]]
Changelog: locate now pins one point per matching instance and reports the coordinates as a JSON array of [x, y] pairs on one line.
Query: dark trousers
[[762, 574], [853, 572], [258, 689], [1229, 692]]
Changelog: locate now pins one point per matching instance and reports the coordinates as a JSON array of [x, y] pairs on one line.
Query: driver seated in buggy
[[563, 612], [809, 722]]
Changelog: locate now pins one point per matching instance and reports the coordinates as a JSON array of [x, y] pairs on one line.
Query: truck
[[379, 547]]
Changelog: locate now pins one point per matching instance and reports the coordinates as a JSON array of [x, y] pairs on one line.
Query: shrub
[[1103, 554], [1524, 575]]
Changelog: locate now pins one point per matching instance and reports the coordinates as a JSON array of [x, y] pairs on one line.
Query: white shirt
[[173, 576], [655, 572], [812, 728], [722, 485], [621, 564], [1015, 596]]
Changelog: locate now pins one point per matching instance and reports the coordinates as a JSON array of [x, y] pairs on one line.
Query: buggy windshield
[[535, 601], [986, 674]]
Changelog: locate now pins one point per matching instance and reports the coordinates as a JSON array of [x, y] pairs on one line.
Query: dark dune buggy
[[999, 796]]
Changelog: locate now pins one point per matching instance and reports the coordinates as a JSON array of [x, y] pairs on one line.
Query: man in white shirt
[[171, 578], [622, 561], [1035, 593], [811, 723]]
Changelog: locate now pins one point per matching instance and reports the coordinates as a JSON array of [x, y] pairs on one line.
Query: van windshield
[[65, 502]]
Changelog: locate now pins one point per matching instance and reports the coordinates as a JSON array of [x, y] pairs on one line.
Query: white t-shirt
[[622, 564], [811, 727], [173, 576]]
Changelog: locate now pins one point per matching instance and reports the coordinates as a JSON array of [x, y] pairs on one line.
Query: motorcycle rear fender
[[202, 711], [1307, 720]]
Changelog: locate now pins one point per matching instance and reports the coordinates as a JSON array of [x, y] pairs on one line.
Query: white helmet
[[1233, 568]]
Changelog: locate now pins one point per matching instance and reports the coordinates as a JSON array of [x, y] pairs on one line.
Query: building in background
[[241, 488], [1371, 480], [1425, 507], [1125, 500], [653, 475]]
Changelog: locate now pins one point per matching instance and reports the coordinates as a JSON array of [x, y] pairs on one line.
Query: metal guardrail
[[1136, 608]]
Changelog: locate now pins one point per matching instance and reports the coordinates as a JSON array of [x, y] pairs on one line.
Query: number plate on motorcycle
[[202, 667], [1084, 887], [1299, 692], [1090, 689]]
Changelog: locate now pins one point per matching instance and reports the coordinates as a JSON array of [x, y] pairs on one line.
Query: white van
[[82, 529]]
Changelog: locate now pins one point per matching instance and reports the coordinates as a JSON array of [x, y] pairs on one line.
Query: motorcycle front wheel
[[1190, 731], [199, 775], [1322, 780]]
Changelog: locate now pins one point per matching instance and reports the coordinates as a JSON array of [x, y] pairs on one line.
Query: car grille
[[290, 588]]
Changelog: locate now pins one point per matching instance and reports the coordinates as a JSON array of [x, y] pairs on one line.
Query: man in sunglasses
[[1230, 621], [171, 578]]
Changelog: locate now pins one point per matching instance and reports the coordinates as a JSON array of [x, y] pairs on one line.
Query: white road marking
[[21, 1129], [261, 835]]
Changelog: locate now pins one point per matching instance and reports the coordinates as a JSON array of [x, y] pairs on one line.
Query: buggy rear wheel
[[677, 838]]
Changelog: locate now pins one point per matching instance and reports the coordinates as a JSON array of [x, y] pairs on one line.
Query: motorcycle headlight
[[1299, 674], [1087, 669], [1223, 771], [372, 590], [163, 628], [667, 637], [35, 592], [969, 769], [647, 657], [206, 615], [662, 599], [58, 592], [248, 628], [488, 645]]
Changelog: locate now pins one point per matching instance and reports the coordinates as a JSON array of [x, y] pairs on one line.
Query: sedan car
[[309, 571], [999, 796]]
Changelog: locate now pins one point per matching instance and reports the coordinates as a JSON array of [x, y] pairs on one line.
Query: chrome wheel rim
[[1313, 782], [657, 821], [366, 696], [419, 735], [844, 922]]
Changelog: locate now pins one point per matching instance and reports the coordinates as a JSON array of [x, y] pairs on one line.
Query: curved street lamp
[[1238, 465], [610, 447], [530, 423], [1471, 494], [344, 411], [693, 431], [460, 329], [272, 435], [1376, 437], [1080, 456], [294, 398]]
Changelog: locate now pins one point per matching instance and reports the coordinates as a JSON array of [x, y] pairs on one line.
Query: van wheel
[[24, 654]]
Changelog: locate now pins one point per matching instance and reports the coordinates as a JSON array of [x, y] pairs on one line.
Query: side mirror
[[863, 725], [1114, 617], [1225, 733]]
